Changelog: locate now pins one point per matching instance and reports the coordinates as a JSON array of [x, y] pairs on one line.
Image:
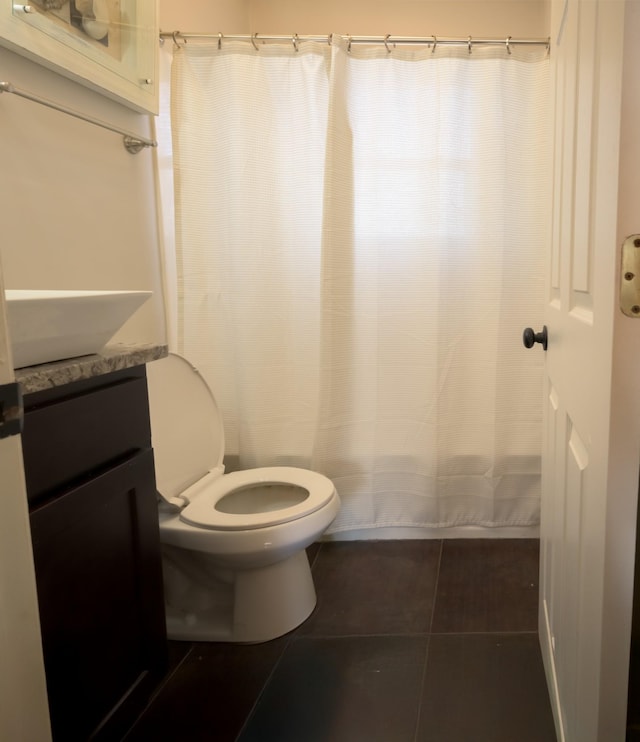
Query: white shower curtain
[[360, 238]]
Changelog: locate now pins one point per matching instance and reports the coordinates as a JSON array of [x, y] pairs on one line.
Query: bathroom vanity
[[94, 526]]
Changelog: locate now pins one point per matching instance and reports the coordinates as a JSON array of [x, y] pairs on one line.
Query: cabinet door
[[98, 572]]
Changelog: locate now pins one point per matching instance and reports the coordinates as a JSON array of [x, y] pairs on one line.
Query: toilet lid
[[186, 427]]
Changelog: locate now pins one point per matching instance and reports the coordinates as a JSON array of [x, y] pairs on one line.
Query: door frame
[[624, 447]]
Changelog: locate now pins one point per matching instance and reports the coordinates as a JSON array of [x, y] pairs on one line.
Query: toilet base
[[205, 603]]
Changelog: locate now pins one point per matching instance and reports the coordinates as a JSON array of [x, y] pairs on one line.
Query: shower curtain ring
[[220, 37], [435, 43], [469, 44], [386, 43], [507, 42], [349, 45], [254, 38], [174, 36], [330, 39], [295, 41]]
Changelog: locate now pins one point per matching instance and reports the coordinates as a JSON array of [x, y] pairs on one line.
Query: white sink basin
[[47, 326]]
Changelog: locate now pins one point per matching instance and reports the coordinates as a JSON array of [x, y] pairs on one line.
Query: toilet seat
[[188, 441], [202, 510]]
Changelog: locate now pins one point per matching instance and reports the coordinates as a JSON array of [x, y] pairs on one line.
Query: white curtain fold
[[360, 241]]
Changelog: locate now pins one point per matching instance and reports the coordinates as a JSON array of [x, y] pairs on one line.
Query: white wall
[[499, 18], [205, 16], [78, 209], [525, 18]]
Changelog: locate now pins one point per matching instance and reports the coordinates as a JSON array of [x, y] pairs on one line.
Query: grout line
[[437, 585], [496, 632], [421, 690], [423, 680], [411, 634], [315, 556], [276, 664], [379, 635], [169, 677]]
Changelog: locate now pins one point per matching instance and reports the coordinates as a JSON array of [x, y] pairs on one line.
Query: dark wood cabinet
[[94, 527]]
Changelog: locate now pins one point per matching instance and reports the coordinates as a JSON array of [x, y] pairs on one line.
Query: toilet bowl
[[233, 545]]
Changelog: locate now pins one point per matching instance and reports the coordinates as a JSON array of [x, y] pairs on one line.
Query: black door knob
[[529, 337]]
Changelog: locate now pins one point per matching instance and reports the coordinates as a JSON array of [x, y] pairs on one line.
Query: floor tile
[[177, 652], [354, 671], [353, 689], [485, 688], [374, 587], [211, 693], [487, 585]]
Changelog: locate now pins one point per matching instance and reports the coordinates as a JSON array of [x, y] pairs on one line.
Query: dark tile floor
[[411, 641]]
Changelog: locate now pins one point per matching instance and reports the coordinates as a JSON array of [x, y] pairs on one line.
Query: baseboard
[[399, 533]]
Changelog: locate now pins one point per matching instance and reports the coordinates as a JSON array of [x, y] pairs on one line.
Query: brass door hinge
[[630, 276]]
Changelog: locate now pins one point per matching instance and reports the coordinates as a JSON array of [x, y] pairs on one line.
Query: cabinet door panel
[[72, 436], [96, 552]]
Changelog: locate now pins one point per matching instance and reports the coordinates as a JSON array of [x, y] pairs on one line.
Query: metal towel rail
[[133, 143]]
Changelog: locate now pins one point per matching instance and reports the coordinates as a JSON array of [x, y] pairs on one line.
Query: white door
[[592, 436], [24, 713]]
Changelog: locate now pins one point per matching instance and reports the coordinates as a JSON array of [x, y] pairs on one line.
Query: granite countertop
[[111, 358]]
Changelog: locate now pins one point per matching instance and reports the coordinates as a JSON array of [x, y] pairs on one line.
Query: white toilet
[[234, 560]]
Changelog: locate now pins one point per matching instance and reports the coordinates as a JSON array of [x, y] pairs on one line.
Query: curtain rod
[[387, 40], [132, 142]]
